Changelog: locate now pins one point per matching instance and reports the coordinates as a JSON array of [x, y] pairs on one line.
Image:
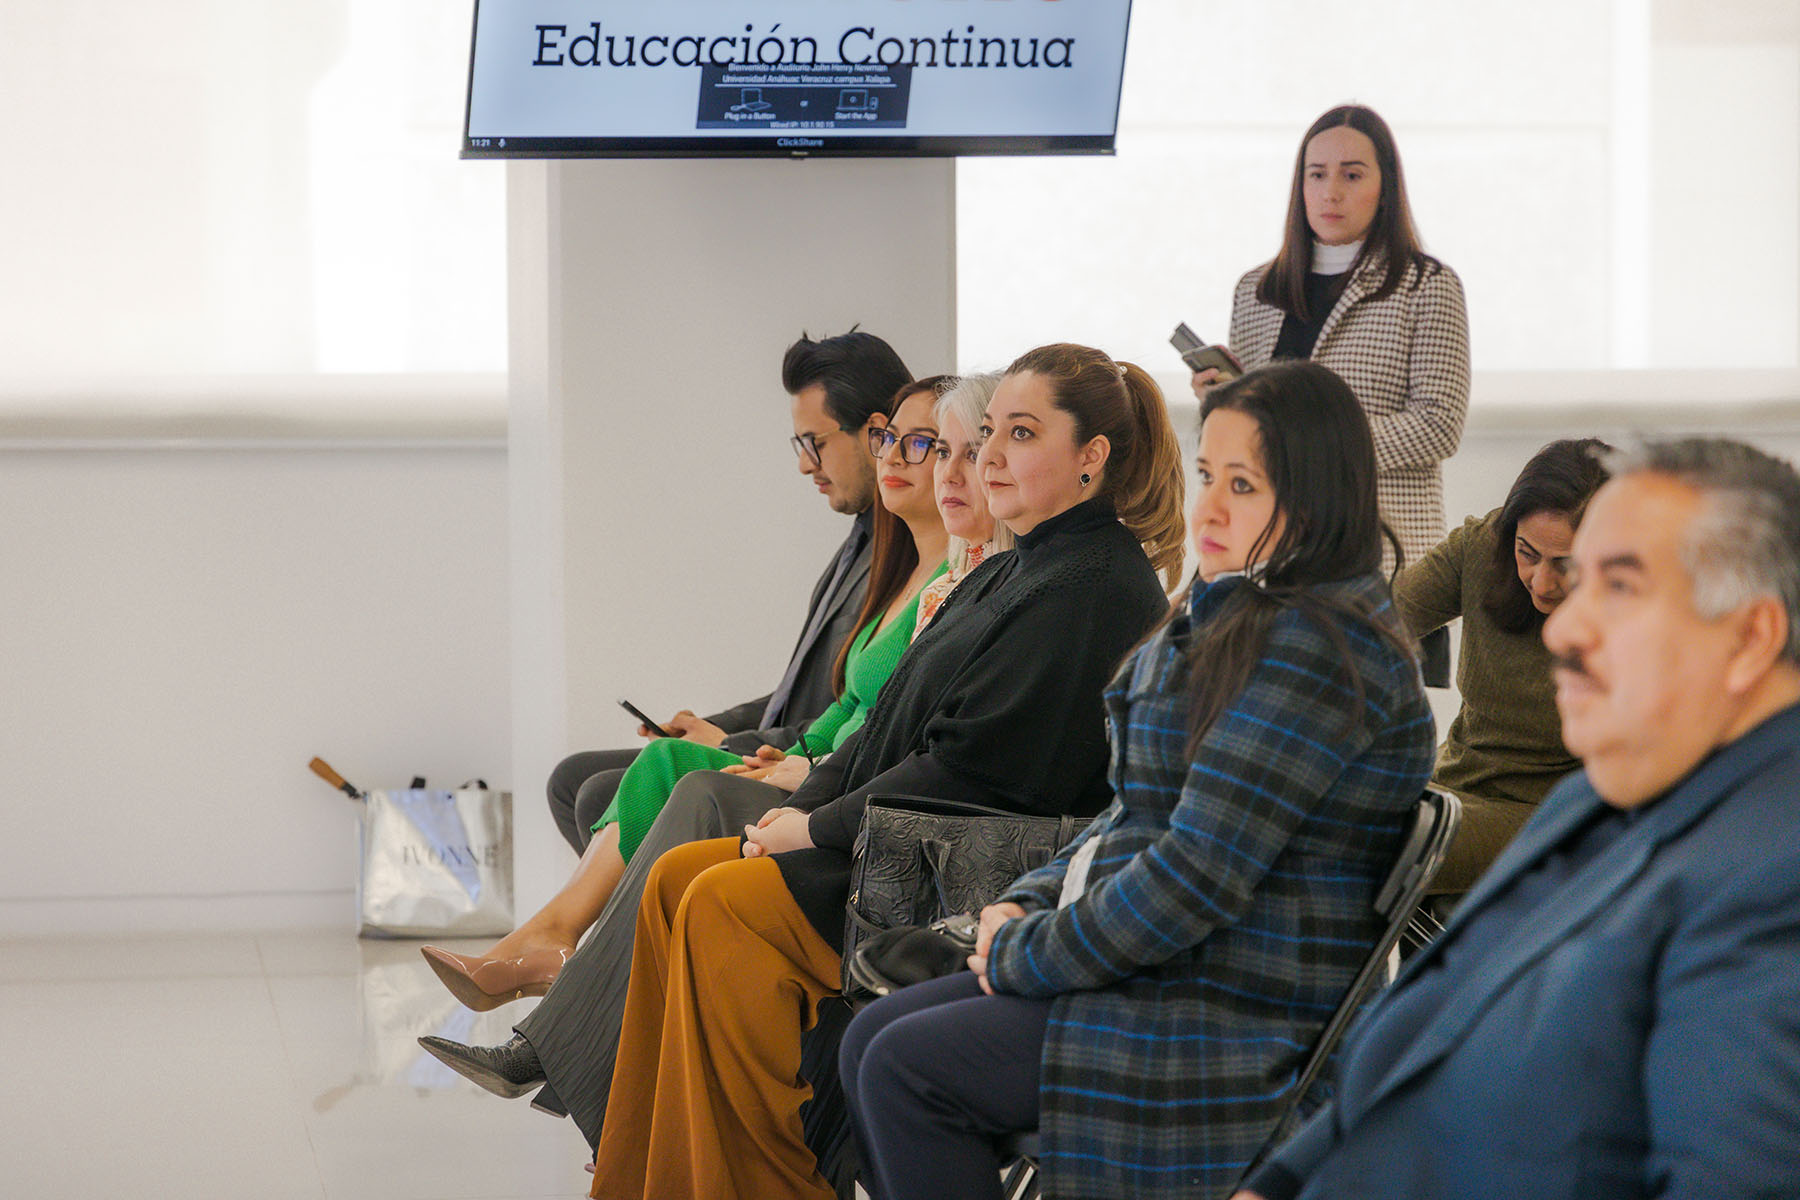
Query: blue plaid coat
[[1227, 906]]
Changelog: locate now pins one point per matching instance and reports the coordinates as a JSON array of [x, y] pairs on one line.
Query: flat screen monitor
[[719, 78]]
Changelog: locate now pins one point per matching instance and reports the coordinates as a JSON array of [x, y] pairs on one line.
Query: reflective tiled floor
[[267, 1065]]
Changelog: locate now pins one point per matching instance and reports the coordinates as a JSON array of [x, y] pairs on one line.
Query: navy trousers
[[936, 1073]]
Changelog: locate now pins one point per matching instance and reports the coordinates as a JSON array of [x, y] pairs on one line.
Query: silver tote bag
[[435, 863]]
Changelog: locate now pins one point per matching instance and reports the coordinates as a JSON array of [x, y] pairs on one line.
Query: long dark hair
[[1560, 478], [892, 554], [1142, 476], [1319, 457], [1392, 238]]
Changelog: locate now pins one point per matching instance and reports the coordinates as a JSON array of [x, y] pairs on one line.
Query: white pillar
[[663, 544]]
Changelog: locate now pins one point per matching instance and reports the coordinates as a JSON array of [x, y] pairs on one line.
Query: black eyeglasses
[[806, 446], [915, 448]]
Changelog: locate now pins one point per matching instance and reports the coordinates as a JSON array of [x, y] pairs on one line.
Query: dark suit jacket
[[1638, 1036], [813, 692]]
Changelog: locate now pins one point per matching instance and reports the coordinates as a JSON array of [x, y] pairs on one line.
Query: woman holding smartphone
[[1352, 289], [569, 1043], [997, 703], [908, 552]]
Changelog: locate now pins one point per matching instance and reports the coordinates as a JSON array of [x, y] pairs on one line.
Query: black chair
[[1397, 903], [1427, 922]]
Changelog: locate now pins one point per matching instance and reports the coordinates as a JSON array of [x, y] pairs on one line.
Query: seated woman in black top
[[1148, 998], [997, 702]]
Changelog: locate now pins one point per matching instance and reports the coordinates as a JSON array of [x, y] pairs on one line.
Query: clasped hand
[[780, 830], [992, 918]]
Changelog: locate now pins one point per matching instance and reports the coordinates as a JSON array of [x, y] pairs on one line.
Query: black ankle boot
[[508, 1071]]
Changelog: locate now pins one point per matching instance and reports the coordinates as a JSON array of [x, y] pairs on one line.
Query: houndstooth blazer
[[1406, 356]]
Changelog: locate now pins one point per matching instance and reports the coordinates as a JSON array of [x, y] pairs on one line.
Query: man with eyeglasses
[[841, 387]]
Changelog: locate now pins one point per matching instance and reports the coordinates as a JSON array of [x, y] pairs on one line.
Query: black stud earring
[[1086, 479]]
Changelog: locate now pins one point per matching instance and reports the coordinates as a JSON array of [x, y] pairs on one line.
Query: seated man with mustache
[[1614, 1010]]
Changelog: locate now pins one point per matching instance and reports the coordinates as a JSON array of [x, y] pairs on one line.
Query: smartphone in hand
[[1199, 355], [639, 713]]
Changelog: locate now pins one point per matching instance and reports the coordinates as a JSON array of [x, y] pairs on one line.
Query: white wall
[[184, 622], [191, 615], [185, 626], [663, 542]]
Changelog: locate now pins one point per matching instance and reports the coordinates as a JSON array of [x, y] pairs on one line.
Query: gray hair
[[1745, 542], [966, 399]]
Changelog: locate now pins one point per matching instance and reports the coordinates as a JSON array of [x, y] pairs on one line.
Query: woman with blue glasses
[[909, 545]]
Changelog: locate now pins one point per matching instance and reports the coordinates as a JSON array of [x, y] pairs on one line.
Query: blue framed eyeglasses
[[915, 448]]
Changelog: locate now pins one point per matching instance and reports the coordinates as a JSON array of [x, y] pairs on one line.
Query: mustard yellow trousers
[[726, 974]]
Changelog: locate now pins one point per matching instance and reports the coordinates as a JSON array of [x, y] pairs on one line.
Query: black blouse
[[996, 703], [1297, 337]]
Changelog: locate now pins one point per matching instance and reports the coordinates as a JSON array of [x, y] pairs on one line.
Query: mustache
[[1571, 662]]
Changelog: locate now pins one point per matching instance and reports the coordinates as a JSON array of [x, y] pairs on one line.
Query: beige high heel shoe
[[485, 983]]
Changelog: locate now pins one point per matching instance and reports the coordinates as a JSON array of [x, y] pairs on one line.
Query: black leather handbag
[[885, 962], [917, 860]]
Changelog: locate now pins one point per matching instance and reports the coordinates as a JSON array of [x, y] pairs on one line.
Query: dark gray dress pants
[[575, 1028], [581, 787]]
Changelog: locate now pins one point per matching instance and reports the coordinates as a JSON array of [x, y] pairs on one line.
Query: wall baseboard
[[219, 411], [26, 917]]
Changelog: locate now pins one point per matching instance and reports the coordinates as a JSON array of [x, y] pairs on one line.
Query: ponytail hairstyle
[[1143, 475], [892, 554], [1319, 457], [1392, 240], [1559, 479]]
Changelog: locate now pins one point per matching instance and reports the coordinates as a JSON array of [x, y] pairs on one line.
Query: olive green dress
[[1504, 751]]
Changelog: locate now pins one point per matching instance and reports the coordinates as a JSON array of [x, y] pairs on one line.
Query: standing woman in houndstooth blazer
[[1352, 289]]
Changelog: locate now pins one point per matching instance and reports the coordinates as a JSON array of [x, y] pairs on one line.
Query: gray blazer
[[1638, 1036], [813, 692]]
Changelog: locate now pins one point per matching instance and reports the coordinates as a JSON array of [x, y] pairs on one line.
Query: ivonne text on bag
[[432, 862]]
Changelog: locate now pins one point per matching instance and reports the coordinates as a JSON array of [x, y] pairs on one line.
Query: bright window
[[197, 187], [1616, 181]]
